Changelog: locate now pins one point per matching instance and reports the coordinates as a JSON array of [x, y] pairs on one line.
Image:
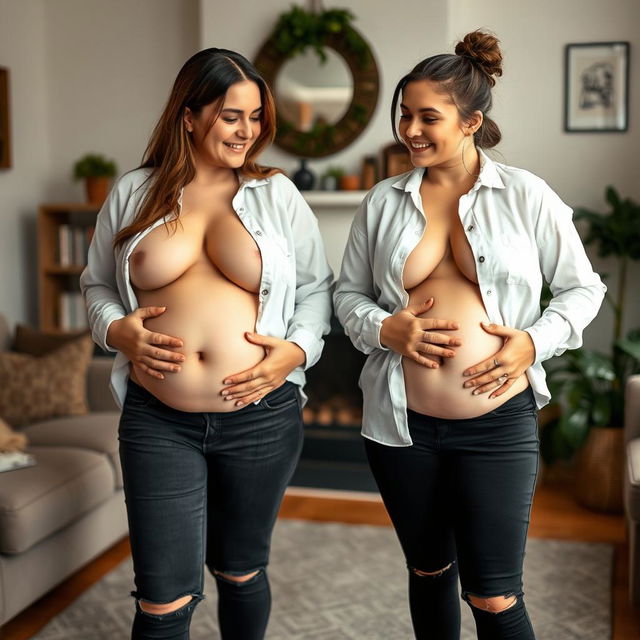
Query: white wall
[[110, 67], [22, 51], [399, 33], [529, 107], [86, 76]]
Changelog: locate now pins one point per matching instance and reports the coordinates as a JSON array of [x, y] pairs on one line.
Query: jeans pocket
[[281, 398], [138, 396]]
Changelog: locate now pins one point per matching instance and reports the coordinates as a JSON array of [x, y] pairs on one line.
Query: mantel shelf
[[333, 198]]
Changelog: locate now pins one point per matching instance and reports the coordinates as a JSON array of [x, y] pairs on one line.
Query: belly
[[439, 392], [210, 315]]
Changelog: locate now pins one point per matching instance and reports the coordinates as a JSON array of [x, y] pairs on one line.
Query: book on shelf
[[72, 311], [15, 460], [73, 244]]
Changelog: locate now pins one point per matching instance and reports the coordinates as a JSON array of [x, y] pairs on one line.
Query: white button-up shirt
[[523, 232], [294, 295]]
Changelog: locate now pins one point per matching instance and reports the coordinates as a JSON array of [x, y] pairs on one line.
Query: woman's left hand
[[251, 385], [501, 370]]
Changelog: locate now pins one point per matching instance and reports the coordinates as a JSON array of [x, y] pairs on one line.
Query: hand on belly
[[415, 337], [500, 371]]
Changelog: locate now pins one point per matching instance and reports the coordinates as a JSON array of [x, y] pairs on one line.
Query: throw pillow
[[53, 385], [38, 343], [10, 440]]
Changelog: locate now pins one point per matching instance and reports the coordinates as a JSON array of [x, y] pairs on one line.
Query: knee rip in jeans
[[180, 606], [431, 574], [238, 578], [491, 604]]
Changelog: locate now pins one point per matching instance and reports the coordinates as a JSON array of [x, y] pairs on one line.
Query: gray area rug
[[336, 581]]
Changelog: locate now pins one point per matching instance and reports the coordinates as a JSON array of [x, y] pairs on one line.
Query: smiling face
[[430, 126], [226, 142]]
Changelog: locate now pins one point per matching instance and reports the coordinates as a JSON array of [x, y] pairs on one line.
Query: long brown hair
[[467, 77], [204, 79]]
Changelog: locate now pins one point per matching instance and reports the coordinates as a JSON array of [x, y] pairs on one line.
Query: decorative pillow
[[34, 389], [10, 440], [39, 343]]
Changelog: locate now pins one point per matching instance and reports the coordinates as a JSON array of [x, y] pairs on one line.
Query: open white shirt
[[294, 295], [522, 231]]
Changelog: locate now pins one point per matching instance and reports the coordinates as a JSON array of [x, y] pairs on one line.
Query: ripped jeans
[[205, 488], [460, 499]]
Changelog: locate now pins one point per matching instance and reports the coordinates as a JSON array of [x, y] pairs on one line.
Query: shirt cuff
[[543, 351], [372, 326], [308, 342]]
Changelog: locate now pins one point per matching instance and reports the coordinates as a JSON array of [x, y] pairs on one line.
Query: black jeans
[[461, 495], [205, 488]]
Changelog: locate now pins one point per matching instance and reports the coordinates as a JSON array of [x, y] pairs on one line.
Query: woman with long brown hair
[[207, 276]]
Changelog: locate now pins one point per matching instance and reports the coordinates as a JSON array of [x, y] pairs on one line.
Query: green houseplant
[[96, 170], [587, 385]]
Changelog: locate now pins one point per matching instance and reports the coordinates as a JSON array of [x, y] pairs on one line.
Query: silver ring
[[495, 362], [503, 378]]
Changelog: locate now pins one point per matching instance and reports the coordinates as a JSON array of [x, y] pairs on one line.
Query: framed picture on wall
[[5, 125], [596, 79]]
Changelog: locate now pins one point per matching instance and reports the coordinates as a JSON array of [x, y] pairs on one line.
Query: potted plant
[[588, 386], [331, 178], [97, 171]]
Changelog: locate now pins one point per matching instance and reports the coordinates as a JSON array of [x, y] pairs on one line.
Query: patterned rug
[[335, 582]]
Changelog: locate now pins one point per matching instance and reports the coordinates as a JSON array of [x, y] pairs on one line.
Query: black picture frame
[[5, 120], [596, 98]]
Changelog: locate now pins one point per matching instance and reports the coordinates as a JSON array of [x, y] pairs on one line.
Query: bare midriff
[[442, 266], [439, 392], [207, 275]]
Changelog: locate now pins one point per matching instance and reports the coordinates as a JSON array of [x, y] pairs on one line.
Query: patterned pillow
[[52, 385]]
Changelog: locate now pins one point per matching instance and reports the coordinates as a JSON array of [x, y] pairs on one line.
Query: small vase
[[350, 182], [304, 178], [97, 190], [329, 183]]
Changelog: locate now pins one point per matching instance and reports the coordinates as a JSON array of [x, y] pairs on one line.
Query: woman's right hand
[[413, 337], [141, 346]]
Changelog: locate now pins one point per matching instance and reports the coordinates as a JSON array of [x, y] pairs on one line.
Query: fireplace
[[333, 455]]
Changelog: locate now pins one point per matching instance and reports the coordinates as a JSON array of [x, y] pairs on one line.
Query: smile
[[235, 147], [420, 145]]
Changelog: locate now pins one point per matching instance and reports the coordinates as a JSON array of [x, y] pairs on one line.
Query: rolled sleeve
[[354, 297], [577, 290], [312, 313], [98, 280]]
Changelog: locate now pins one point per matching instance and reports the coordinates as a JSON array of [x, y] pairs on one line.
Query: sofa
[[58, 515], [632, 482]]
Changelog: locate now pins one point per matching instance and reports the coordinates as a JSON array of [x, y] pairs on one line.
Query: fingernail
[[226, 382], [468, 384], [225, 393], [229, 398], [491, 397], [476, 392], [239, 404]]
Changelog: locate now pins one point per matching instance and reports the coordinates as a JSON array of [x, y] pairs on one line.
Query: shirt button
[[258, 232], [481, 259], [470, 227], [265, 292], [488, 292], [240, 209]]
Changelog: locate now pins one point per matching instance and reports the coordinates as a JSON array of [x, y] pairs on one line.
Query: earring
[[473, 175]]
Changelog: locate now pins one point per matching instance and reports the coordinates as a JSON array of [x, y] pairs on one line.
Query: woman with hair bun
[[208, 277], [440, 286]]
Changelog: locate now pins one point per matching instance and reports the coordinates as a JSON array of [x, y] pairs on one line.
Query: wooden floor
[[555, 515]]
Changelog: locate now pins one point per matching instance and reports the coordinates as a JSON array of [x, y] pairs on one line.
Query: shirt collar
[[489, 176]]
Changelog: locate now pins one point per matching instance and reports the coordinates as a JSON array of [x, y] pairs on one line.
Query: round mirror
[[322, 105], [309, 92]]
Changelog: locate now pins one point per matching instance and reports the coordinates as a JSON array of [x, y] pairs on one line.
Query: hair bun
[[484, 51]]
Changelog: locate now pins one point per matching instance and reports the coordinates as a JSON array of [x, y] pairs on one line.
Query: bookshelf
[[64, 233]]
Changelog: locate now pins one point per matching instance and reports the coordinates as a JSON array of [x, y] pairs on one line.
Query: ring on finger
[[503, 378], [495, 362]]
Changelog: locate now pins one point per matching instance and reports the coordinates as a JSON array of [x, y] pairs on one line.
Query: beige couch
[[632, 482], [68, 508]]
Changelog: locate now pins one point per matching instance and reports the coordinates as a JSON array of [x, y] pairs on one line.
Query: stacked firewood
[[335, 410]]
